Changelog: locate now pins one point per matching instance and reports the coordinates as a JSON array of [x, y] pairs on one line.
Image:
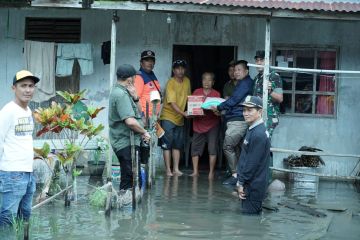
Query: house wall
[[137, 31]]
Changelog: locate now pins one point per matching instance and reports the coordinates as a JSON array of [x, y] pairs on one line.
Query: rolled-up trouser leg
[[235, 131]]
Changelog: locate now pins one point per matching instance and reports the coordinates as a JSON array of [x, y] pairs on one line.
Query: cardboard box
[[194, 105]]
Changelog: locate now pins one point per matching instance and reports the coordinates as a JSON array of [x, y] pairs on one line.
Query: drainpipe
[[266, 70]]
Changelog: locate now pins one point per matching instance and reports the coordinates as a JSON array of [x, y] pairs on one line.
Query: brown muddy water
[[187, 208]]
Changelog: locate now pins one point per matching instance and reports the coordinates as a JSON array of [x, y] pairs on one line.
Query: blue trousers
[[16, 194]]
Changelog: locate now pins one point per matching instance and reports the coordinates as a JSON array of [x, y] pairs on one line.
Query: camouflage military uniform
[[273, 108]]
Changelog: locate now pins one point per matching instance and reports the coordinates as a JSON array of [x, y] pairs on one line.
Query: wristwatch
[[136, 100]]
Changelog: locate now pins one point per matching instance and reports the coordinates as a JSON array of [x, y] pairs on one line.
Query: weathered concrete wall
[[335, 135], [137, 31]]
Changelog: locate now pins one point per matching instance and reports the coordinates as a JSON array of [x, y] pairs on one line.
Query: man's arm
[[275, 88], [134, 125], [134, 94], [276, 97], [171, 98], [178, 110], [242, 89], [4, 123]]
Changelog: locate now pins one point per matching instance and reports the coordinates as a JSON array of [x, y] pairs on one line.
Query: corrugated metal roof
[[306, 5]]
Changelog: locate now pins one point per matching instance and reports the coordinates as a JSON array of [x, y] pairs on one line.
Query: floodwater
[[187, 208]]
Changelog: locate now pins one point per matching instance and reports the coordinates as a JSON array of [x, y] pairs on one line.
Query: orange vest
[[143, 91]]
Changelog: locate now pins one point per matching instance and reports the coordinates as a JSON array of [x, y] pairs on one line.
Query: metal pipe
[[313, 153], [306, 70]]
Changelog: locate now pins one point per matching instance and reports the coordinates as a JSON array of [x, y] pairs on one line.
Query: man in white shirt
[[17, 183]]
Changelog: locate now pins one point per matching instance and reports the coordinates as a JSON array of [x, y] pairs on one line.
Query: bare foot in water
[[211, 176], [178, 173], [194, 174], [169, 174]]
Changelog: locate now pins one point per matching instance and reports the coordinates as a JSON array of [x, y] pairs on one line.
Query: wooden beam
[[209, 9], [57, 4], [320, 15], [104, 5], [123, 5], [113, 37], [266, 70], [50, 198]]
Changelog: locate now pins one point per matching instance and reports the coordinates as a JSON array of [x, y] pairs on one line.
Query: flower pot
[[96, 168]]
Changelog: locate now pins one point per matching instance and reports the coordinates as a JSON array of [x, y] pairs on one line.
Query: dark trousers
[[251, 206], [126, 179]]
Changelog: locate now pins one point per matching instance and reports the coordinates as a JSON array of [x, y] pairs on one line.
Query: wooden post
[[266, 70], [152, 144], [67, 192], [115, 19], [26, 230], [108, 200], [147, 120], [150, 161], [133, 153]]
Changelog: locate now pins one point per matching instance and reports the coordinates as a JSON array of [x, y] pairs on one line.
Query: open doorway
[[202, 59], [206, 58]]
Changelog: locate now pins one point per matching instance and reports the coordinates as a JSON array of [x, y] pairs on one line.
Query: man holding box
[[172, 116], [235, 125]]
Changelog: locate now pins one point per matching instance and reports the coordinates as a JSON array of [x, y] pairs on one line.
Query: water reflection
[[190, 208]]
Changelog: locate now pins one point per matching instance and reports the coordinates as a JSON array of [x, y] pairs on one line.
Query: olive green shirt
[[121, 107], [229, 88]]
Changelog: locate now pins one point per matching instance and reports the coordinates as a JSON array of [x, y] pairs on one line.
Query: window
[[308, 93], [58, 30]]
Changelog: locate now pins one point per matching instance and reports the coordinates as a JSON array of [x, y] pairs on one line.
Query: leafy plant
[[74, 120], [98, 198], [102, 147]]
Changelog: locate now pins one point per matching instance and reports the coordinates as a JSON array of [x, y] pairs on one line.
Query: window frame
[[314, 93]]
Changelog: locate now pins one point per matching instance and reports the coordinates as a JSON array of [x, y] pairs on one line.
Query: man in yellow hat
[[17, 183]]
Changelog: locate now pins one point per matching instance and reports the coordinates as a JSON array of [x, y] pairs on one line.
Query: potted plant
[[96, 164], [73, 120]]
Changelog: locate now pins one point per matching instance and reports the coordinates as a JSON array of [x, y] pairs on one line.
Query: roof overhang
[[104, 5], [198, 8], [245, 11]]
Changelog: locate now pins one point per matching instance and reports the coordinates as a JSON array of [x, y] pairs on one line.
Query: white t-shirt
[[16, 141]]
